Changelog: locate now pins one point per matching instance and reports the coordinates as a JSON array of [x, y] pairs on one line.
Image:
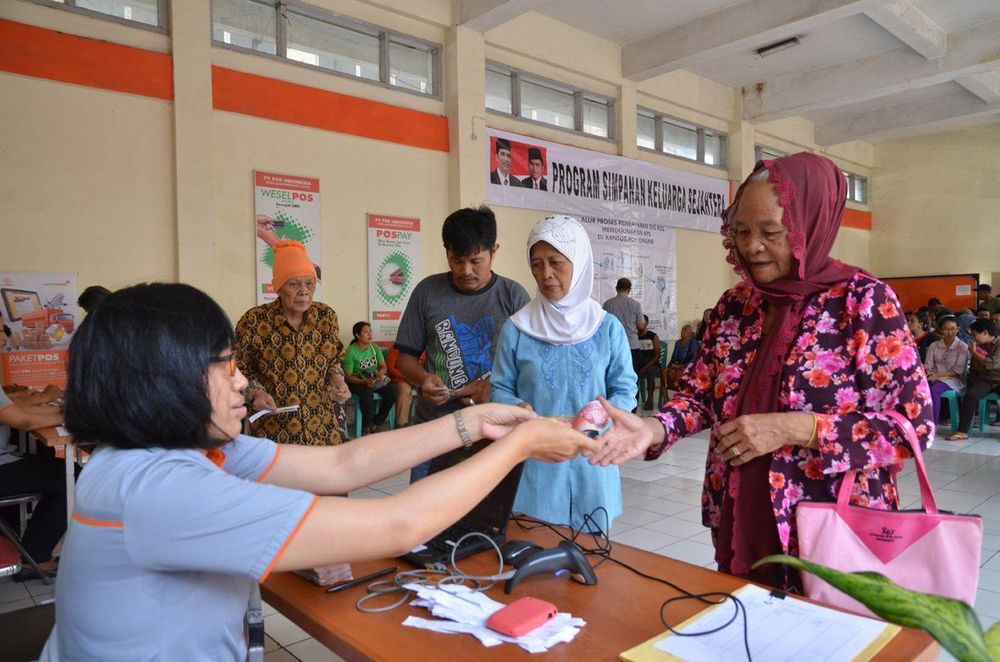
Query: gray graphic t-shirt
[[457, 330]]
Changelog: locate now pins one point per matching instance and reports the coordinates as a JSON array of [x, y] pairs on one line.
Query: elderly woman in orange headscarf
[[800, 365], [291, 352]]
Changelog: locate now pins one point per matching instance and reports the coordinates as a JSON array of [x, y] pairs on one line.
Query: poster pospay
[[41, 312], [393, 271], [286, 207]]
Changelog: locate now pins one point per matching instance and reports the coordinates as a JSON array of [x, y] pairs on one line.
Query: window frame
[[384, 35], [517, 75], [700, 132], [852, 181], [771, 153], [162, 14]]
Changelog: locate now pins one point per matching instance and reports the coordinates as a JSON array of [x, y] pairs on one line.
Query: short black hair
[[92, 296], [502, 143], [984, 287], [981, 325], [468, 231], [356, 329], [623, 285], [138, 368], [934, 301]]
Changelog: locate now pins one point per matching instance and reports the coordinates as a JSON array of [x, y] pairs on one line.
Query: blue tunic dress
[[557, 380]]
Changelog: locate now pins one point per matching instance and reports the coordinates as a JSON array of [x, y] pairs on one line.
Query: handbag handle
[[926, 493]]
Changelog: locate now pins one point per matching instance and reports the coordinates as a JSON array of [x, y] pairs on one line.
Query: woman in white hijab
[[557, 354]]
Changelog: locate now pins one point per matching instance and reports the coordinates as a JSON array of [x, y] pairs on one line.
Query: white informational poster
[[40, 312], [286, 207], [393, 271], [650, 265], [630, 209]]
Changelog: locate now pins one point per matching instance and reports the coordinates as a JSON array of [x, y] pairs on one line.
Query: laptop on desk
[[489, 517]]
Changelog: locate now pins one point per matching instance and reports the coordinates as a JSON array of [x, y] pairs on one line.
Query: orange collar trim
[[217, 457]]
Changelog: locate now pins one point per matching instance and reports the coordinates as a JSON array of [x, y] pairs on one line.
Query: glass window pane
[[595, 117], [544, 104], [646, 131], [411, 67], [715, 149], [680, 140], [141, 11], [860, 189], [332, 47], [498, 91], [245, 24]]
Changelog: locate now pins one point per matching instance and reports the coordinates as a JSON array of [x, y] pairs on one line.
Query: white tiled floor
[[662, 514]]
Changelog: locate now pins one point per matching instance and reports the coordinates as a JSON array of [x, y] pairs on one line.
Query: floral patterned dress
[[852, 359]]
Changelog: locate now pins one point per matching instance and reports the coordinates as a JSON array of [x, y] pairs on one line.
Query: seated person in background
[[921, 337], [92, 296], [18, 475], [983, 313], [984, 373], [649, 359], [945, 363], [685, 349], [964, 319], [365, 372], [404, 390], [178, 515]]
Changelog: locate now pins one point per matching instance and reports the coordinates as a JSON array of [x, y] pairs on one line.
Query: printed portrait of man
[[536, 166]]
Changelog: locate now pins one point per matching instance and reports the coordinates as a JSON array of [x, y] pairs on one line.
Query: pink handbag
[[923, 550]]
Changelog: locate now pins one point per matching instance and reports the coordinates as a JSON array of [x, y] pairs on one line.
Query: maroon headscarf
[[812, 191]]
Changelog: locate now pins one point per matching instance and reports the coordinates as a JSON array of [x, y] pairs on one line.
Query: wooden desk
[[622, 610], [63, 445]]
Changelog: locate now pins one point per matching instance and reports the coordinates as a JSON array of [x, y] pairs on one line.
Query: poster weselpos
[[580, 182], [40, 311], [393, 271], [286, 207]]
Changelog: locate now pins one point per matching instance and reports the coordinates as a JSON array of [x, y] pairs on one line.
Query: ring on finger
[[736, 451]]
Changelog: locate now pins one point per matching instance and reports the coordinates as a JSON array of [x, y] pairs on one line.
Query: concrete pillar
[[191, 45], [625, 129], [465, 104]]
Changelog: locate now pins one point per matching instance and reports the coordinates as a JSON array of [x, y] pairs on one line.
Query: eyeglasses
[[229, 360]]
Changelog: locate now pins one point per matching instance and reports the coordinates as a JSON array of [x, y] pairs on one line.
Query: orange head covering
[[290, 260]]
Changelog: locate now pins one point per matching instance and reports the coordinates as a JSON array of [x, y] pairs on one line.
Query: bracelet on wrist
[[813, 441], [463, 432]]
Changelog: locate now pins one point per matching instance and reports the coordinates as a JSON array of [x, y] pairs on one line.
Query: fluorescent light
[[778, 46]]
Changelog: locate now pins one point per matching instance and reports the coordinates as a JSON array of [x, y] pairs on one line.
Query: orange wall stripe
[[96, 522], [855, 218], [31, 51], [289, 539], [272, 99]]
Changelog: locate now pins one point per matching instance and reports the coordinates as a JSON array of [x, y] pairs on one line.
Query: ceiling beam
[[484, 15], [944, 113], [912, 27], [883, 74], [740, 28], [985, 86]]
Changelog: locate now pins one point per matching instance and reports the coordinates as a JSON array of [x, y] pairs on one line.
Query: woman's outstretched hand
[[494, 420], [629, 436], [551, 440]]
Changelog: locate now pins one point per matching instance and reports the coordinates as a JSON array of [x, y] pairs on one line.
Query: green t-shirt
[[362, 362]]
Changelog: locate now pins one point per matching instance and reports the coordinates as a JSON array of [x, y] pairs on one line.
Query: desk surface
[[51, 437], [621, 611]]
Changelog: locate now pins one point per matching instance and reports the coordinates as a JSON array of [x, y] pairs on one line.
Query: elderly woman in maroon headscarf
[[801, 362]]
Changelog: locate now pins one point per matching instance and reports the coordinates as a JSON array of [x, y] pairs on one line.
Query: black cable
[[602, 550]]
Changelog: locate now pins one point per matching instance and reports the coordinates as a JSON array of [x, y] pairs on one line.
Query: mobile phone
[[521, 616]]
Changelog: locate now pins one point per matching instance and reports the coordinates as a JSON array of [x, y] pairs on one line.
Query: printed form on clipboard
[[778, 630]]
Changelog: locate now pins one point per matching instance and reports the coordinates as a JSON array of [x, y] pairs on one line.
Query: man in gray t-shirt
[[627, 310], [454, 318]]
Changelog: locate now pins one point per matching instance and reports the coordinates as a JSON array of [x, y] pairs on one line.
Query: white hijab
[[576, 316]]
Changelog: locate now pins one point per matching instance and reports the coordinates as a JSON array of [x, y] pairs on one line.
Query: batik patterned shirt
[[294, 367], [853, 359]]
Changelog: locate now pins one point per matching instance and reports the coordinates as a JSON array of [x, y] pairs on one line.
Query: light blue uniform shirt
[[163, 551], [557, 380]]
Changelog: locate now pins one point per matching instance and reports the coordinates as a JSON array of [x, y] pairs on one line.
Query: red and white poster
[[286, 207], [39, 316]]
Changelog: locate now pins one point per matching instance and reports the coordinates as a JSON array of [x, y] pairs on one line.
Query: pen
[[351, 583]]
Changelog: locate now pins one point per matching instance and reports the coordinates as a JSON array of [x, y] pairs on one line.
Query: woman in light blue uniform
[[557, 354]]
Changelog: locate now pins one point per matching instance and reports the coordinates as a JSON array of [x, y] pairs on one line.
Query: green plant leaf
[[993, 641], [951, 622]]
